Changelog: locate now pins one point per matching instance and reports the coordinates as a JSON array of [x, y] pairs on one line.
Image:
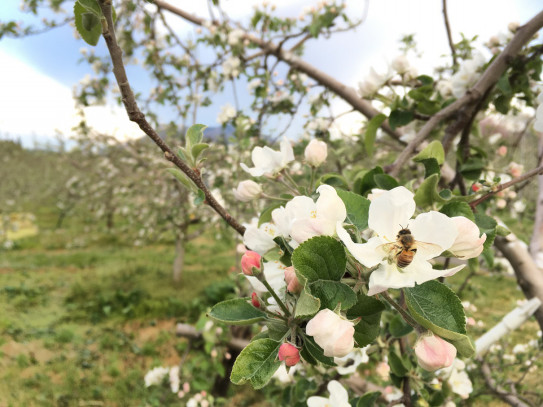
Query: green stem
[[294, 184], [403, 312], [274, 295], [312, 181], [277, 198]]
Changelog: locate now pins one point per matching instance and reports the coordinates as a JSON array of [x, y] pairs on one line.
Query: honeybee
[[403, 250]]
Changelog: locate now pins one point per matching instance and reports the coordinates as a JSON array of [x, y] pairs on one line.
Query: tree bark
[[179, 262], [529, 277], [536, 243]]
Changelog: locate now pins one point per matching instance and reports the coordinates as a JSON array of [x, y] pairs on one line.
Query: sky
[[37, 73]]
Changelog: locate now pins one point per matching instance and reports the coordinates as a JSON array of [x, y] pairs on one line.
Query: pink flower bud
[[289, 353], [502, 151], [434, 353], [475, 187], [332, 333], [254, 300], [249, 260], [316, 152], [293, 284]]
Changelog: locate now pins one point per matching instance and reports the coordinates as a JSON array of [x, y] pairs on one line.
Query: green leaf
[[200, 197], [368, 399], [367, 182], [504, 85], [472, 168], [452, 209], [197, 149], [320, 258], [316, 352], [396, 365], [369, 327], [427, 193], [307, 304], [357, 208], [398, 327], [431, 167], [236, 312], [194, 135], [486, 225], [371, 132], [277, 329], [286, 249], [256, 363], [335, 180], [385, 181], [399, 118], [87, 24], [437, 308], [425, 79], [332, 293], [432, 150], [181, 177], [91, 6], [266, 214]]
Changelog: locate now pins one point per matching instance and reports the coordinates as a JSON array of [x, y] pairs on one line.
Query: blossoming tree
[[349, 255]]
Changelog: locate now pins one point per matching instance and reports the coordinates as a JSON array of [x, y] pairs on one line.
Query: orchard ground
[[82, 326]]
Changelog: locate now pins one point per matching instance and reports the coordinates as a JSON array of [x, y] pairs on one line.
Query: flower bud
[[293, 284], [254, 300], [502, 151], [400, 64], [289, 353], [247, 191], [434, 353], [476, 187], [467, 244], [315, 153], [332, 333], [249, 260]]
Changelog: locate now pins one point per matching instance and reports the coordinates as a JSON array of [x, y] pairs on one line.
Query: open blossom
[[387, 213], [302, 218], [155, 376], [332, 333], [260, 238], [467, 75], [269, 162], [348, 363], [235, 36], [338, 397], [315, 153], [458, 378], [434, 353], [227, 113], [467, 244], [231, 67], [247, 191], [372, 83], [289, 353]]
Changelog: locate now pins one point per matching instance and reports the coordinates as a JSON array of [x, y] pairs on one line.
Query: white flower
[[267, 161], [231, 67], [458, 378], [445, 88], [155, 376], [174, 379], [467, 75], [372, 83], [468, 244], [318, 124], [274, 271], [388, 214], [400, 64], [227, 113], [338, 397], [332, 333], [247, 191], [260, 239], [235, 36], [348, 364], [302, 219], [315, 153], [255, 83]]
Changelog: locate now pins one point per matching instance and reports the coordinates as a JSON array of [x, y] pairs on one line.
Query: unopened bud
[[289, 353], [434, 353], [316, 152], [250, 261], [255, 301], [293, 284]]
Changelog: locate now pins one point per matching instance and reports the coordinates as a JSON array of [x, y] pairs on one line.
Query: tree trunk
[[179, 261], [536, 243], [529, 277]]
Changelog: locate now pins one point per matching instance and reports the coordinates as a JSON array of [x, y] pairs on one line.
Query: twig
[[504, 395], [449, 35], [505, 185], [135, 115]]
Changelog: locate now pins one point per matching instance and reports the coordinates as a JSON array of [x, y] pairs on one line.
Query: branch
[[536, 242], [347, 93], [449, 36], [135, 115], [487, 80], [505, 185], [509, 398]]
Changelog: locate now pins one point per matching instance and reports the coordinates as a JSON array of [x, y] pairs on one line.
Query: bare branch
[[487, 80], [504, 395], [135, 115], [449, 35]]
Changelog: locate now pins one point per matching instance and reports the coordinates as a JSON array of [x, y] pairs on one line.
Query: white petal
[[338, 394], [316, 401], [391, 211], [366, 253], [258, 240], [329, 205], [388, 275], [287, 153], [257, 285], [282, 220], [303, 229], [436, 228], [255, 172], [301, 207], [274, 272], [422, 271]]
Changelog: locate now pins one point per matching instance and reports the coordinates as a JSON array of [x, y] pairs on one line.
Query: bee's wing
[[430, 246], [428, 250], [388, 247]]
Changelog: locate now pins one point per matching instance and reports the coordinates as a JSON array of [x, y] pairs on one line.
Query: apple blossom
[[274, 273], [269, 162], [338, 397], [348, 363], [467, 244], [386, 213], [467, 75], [434, 353], [155, 376], [315, 153], [289, 354], [226, 113], [260, 239], [249, 260], [332, 333], [302, 219], [293, 284], [372, 83], [458, 378], [247, 191], [400, 64]]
